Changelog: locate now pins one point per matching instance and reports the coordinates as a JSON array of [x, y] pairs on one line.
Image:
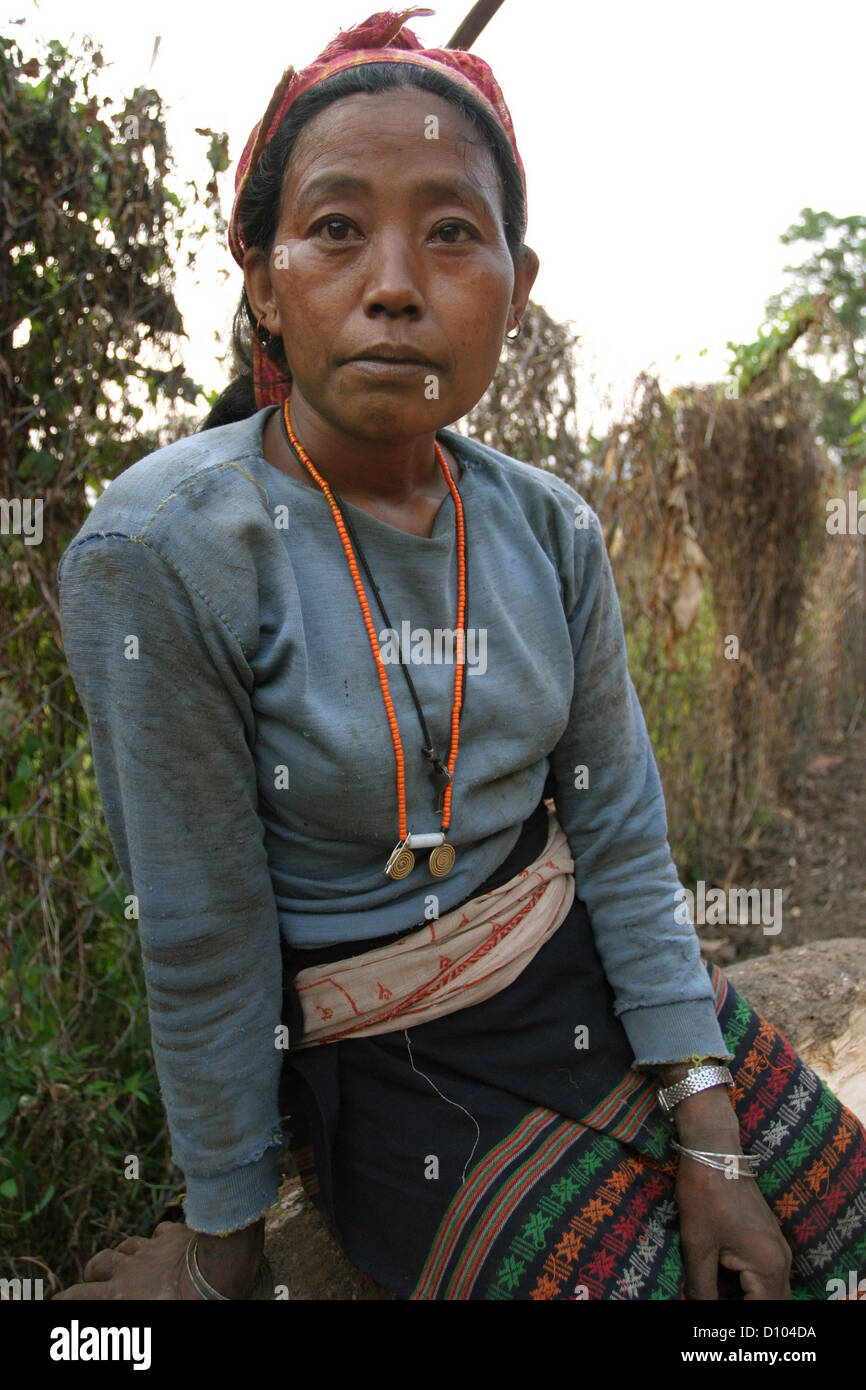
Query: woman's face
[[390, 243]]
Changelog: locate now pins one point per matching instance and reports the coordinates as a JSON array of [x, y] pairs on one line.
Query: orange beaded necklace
[[402, 859]]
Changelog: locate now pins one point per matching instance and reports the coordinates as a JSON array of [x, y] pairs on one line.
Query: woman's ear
[[257, 280], [525, 270]]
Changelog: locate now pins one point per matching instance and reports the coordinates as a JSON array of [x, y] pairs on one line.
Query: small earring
[[263, 334], [515, 333]]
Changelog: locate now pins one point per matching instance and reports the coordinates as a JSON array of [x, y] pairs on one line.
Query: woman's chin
[[384, 415]]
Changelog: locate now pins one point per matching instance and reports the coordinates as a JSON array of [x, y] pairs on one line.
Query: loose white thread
[[450, 1102]]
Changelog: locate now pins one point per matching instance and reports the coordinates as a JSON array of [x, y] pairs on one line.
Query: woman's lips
[[385, 369]]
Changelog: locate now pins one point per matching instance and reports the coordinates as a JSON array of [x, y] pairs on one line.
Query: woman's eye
[[450, 231], [337, 228], [340, 229]]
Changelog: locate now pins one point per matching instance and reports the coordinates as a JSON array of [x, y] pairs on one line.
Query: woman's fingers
[[701, 1269], [103, 1265], [767, 1274], [140, 1268], [102, 1289], [131, 1245], [761, 1285], [178, 1229]]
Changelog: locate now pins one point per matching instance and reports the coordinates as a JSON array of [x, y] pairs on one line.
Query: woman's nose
[[394, 274]]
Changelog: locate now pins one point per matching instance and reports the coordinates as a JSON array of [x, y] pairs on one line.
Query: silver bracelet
[[722, 1162], [197, 1279]]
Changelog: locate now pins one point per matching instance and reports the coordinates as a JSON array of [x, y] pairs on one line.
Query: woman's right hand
[[155, 1268]]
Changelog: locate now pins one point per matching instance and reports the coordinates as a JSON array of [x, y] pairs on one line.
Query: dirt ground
[[813, 851]]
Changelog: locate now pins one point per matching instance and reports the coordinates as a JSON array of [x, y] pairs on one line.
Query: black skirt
[[508, 1150]]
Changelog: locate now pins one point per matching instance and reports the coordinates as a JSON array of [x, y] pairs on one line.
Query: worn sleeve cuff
[[230, 1201], [664, 1033]]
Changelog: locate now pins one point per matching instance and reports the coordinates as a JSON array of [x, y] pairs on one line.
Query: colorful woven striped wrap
[[383, 38]]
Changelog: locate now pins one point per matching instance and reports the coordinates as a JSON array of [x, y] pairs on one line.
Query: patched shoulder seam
[[195, 478], [185, 579]]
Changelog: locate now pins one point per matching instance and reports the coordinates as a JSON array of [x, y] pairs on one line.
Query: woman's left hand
[[725, 1221]]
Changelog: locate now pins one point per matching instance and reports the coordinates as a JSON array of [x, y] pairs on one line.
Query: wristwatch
[[698, 1079]]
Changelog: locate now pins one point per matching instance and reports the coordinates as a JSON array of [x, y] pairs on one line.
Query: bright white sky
[[667, 145]]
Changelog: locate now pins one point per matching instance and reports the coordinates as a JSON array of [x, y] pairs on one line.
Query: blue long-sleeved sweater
[[247, 772]]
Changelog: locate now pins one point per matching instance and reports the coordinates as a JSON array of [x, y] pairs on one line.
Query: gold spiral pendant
[[401, 864], [442, 860]]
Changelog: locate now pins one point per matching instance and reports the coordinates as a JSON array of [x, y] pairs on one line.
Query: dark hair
[[260, 201]]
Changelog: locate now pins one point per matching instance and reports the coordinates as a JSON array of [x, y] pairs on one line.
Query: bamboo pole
[[478, 17]]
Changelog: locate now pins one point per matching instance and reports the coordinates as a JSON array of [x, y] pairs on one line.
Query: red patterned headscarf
[[382, 38]]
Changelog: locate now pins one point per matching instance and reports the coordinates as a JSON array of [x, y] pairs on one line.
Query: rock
[[815, 995], [306, 1261]]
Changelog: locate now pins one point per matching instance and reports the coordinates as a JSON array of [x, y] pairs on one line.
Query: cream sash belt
[[466, 956]]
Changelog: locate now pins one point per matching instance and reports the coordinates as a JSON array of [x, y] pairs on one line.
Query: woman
[[491, 1024]]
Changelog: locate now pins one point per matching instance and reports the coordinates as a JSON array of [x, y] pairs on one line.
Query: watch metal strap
[[698, 1079]]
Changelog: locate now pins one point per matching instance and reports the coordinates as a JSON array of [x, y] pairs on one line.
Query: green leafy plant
[[90, 337], [821, 311]]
